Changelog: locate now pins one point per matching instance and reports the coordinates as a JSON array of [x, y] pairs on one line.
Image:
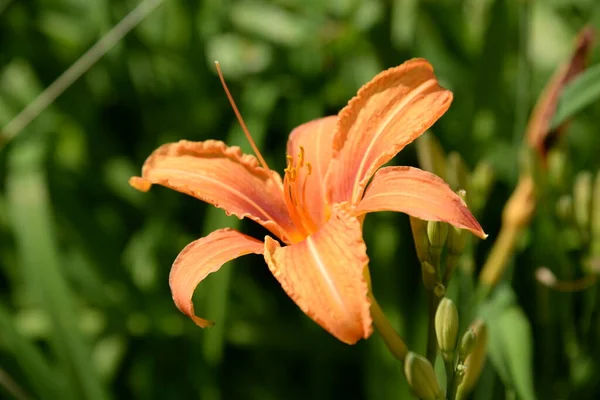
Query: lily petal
[[420, 194], [315, 137], [323, 274], [202, 257], [388, 113], [223, 177]]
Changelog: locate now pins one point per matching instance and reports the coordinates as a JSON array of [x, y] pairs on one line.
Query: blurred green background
[[85, 307]]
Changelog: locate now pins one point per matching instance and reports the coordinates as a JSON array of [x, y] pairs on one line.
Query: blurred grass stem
[[77, 69], [433, 301], [12, 387]]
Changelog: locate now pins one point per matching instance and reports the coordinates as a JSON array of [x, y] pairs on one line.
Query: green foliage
[[85, 307]]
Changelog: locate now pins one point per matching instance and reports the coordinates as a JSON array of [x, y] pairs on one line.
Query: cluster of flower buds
[[578, 210], [464, 358], [471, 357], [431, 238]]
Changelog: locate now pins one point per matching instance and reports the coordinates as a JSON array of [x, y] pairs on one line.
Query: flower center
[[294, 187]]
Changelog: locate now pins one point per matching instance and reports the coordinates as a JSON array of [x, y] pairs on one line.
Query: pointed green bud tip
[[467, 344], [474, 362], [439, 290], [457, 239], [458, 174], [595, 218], [421, 377], [419, 231], [582, 200], [429, 275], [437, 232], [446, 327], [482, 177], [557, 167], [564, 208]]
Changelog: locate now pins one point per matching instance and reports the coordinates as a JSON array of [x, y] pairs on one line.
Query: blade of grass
[[30, 215], [35, 367], [77, 69]]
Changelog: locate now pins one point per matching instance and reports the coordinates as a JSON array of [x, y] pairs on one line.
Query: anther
[[301, 157]]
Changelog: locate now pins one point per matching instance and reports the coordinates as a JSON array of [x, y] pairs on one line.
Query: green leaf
[[582, 92], [35, 367], [31, 217], [510, 342], [270, 22]]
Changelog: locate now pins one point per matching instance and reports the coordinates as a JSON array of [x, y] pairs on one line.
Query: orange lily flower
[[317, 209]]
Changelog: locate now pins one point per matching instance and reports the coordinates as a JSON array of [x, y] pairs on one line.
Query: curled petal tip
[[202, 323], [141, 184]]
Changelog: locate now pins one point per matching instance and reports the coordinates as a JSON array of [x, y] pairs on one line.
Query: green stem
[[390, 337], [451, 381], [432, 304]]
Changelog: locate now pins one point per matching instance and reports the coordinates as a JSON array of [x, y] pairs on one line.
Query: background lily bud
[[429, 275], [431, 155], [480, 185], [595, 218], [437, 232], [456, 241], [564, 208], [419, 231], [446, 327], [467, 345], [458, 174], [557, 167], [421, 377], [475, 361], [582, 200]]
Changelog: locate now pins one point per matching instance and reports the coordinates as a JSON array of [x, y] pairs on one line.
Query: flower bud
[[419, 231], [456, 241], [457, 171], [475, 361], [431, 155], [429, 275], [582, 200], [455, 244], [467, 345], [421, 377], [564, 208], [446, 327], [480, 186], [437, 232], [557, 167]]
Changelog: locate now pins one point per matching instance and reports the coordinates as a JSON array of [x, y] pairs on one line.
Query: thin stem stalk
[[390, 337]]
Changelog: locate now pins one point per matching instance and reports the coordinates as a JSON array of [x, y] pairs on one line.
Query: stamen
[[240, 120], [301, 157], [295, 193]]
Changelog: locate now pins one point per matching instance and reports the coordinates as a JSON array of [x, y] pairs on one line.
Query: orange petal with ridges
[[316, 138], [202, 257], [388, 113], [420, 194], [223, 177], [323, 274]]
